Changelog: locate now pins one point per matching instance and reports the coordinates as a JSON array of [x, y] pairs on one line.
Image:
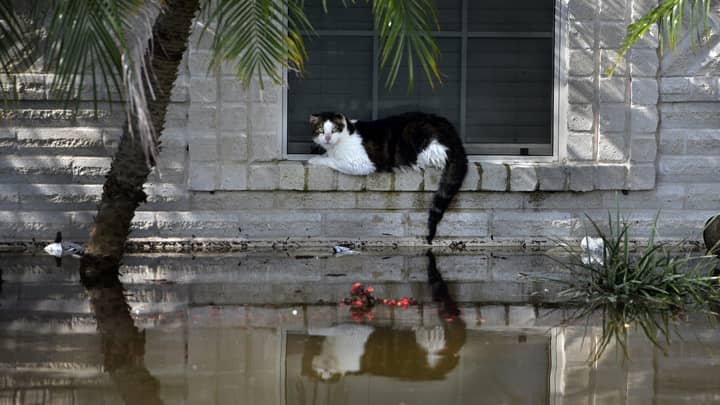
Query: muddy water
[[269, 328]]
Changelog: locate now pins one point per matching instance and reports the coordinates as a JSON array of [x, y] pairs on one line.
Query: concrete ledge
[[482, 176]]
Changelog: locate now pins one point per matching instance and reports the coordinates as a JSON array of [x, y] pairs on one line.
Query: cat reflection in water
[[420, 353]]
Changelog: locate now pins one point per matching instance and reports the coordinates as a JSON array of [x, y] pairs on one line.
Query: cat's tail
[[453, 174]]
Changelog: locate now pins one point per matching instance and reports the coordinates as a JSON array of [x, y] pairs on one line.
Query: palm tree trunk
[[123, 188]]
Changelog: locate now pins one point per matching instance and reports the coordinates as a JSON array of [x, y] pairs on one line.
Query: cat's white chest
[[348, 156]]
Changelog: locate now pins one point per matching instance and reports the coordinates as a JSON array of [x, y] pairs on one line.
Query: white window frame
[[559, 110]]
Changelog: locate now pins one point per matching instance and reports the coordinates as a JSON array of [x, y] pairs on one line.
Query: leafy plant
[[645, 289]]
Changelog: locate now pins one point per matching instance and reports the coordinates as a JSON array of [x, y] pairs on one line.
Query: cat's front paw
[[318, 161]]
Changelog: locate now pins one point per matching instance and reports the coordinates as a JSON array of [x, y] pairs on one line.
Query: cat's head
[[328, 128]]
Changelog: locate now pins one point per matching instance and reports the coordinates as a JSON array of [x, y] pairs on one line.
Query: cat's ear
[[314, 119]]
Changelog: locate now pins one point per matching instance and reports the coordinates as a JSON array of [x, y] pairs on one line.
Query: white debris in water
[[342, 250]]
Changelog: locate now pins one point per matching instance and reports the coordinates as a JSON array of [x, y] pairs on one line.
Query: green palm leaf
[[18, 35], [404, 28], [671, 17], [258, 37], [101, 45]]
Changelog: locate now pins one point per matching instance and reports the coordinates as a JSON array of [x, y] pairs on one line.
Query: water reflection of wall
[[50, 350]]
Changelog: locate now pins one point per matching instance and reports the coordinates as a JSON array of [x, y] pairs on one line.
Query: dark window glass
[[497, 74]]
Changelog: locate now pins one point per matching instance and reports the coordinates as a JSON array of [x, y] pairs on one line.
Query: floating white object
[[593, 250], [342, 250], [60, 248]]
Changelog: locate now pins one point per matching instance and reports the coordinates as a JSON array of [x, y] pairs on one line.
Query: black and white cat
[[416, 140]]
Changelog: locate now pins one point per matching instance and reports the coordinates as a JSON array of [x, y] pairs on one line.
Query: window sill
[[482, 176]]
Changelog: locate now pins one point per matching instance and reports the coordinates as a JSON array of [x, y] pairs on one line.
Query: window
[[497, 63]]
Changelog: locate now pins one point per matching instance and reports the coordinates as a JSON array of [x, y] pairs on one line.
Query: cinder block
[[580, 117], [612, 147], [469, 224], [612, 89], [525, 224], [58, 196], [203, 176], [582, 178], [694, 169], [644, 118], [379, 181], [643, 149], [25, 225], [495, 176], [582, 9], [690, 116], [347, 182], [612, 117], [234, 176], [702, 141], [408, 180], [233, 117], [581, 90], [610, 177], [582, 34], [582, 62], [315, 200], [263, 176], [203, 89], [320, 178], [644, 63], [672, 141], [233, 146], [199, 63], [265, 117], [203, 147], [551, 178], [264, 146], [641, 177], [363, 225], [232, 90], [523, 178], [644, 91], [90, 169], [292, 175], [10, 196], [73, 141], [580, 146], [202, 117], [612, 10], [665, 196], [705, 196], [612, 35]]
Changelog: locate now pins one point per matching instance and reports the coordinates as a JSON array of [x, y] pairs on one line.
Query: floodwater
[[272, 328]]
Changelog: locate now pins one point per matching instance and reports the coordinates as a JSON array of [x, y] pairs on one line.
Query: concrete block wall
[[645, 138]]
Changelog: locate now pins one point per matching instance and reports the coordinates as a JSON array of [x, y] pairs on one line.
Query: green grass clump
[[645, 289]]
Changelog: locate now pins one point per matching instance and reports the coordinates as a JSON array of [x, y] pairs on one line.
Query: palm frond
[[404, 28], [670, 16], [18, 35], [104, 42], [258, 37]]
